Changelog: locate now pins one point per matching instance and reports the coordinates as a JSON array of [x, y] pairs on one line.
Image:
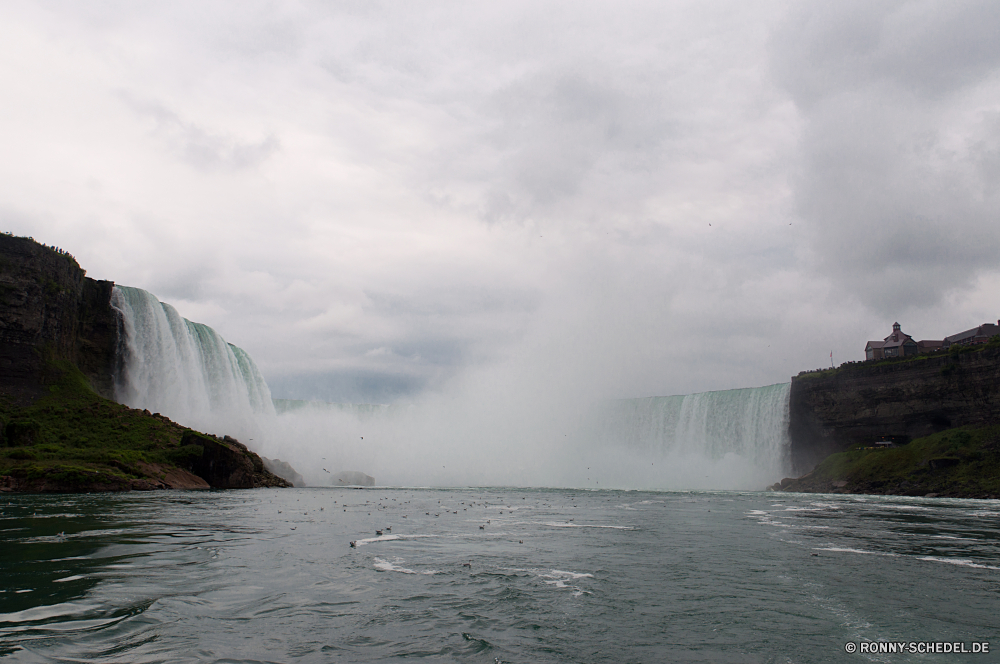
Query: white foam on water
[[70, 578], [842, 549], [765, 519], [45, 539], [857, 624], [957, 561], [47, 612], [55, 516], [564, 524], [388, 538], [558, 578], [573, 575], [386, 566]]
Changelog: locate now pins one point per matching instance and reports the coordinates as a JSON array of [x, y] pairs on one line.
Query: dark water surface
[[553, 576]]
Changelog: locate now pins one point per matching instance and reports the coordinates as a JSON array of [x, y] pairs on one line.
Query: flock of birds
[[388, 529]]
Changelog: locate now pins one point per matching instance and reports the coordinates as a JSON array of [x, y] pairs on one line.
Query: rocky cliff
[[284, 470], [60, 430], [833, 410], [226, 463], [51, 311]]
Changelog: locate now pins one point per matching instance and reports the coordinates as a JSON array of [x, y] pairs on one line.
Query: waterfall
[[741, 431], [732, 439], [185, 370]]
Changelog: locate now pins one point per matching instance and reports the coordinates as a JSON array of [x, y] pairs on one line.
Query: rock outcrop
[[834, 410], [284, 470], [352, 478], [226, 463], [50, 310]]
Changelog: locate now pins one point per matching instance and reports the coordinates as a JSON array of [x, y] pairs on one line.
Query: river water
[[487, 575]]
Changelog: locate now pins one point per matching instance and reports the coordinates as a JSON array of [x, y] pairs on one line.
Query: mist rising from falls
[[494, 429], [186, 371], [733, 439]]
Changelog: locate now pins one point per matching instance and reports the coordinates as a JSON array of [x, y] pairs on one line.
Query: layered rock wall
[[226, 463], [833, 410], [50, 310]]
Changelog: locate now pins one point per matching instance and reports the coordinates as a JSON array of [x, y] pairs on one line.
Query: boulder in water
[[352, 478]]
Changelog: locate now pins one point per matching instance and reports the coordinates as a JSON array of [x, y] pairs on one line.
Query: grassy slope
[[71, 436], [962, 462]]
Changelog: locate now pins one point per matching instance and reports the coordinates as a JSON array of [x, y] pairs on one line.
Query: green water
[[552, 576]]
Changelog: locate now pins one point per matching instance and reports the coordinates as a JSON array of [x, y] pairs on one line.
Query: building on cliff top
[[900, 344], [929, 346], [977, 335], [897, 344]]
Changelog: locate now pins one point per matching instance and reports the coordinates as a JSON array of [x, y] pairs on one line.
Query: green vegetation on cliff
[[899, 399], [59, 349], [71, 438], [952, 352], [959, 463]]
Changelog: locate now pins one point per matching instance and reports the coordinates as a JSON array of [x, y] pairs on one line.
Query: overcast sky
[[375, 199]]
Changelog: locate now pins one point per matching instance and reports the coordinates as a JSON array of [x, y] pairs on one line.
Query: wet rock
[[352, 478], [227, 464], [284, 470]]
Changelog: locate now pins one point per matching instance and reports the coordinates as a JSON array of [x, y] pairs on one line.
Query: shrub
[[22, 432]]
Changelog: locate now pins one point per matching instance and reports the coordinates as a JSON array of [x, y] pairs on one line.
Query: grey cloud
[[618, 133], [894, 177], [927, 49], [443, 300], [984, 151], [201, 147], [187, 282], [555, 128]]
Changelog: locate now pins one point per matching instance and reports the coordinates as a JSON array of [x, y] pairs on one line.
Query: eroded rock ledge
[[858, 404]]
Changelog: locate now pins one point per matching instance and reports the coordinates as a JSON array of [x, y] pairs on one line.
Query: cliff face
[[833, 410], [226, 463], [283, 470], [59, 339], [49, 310]]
